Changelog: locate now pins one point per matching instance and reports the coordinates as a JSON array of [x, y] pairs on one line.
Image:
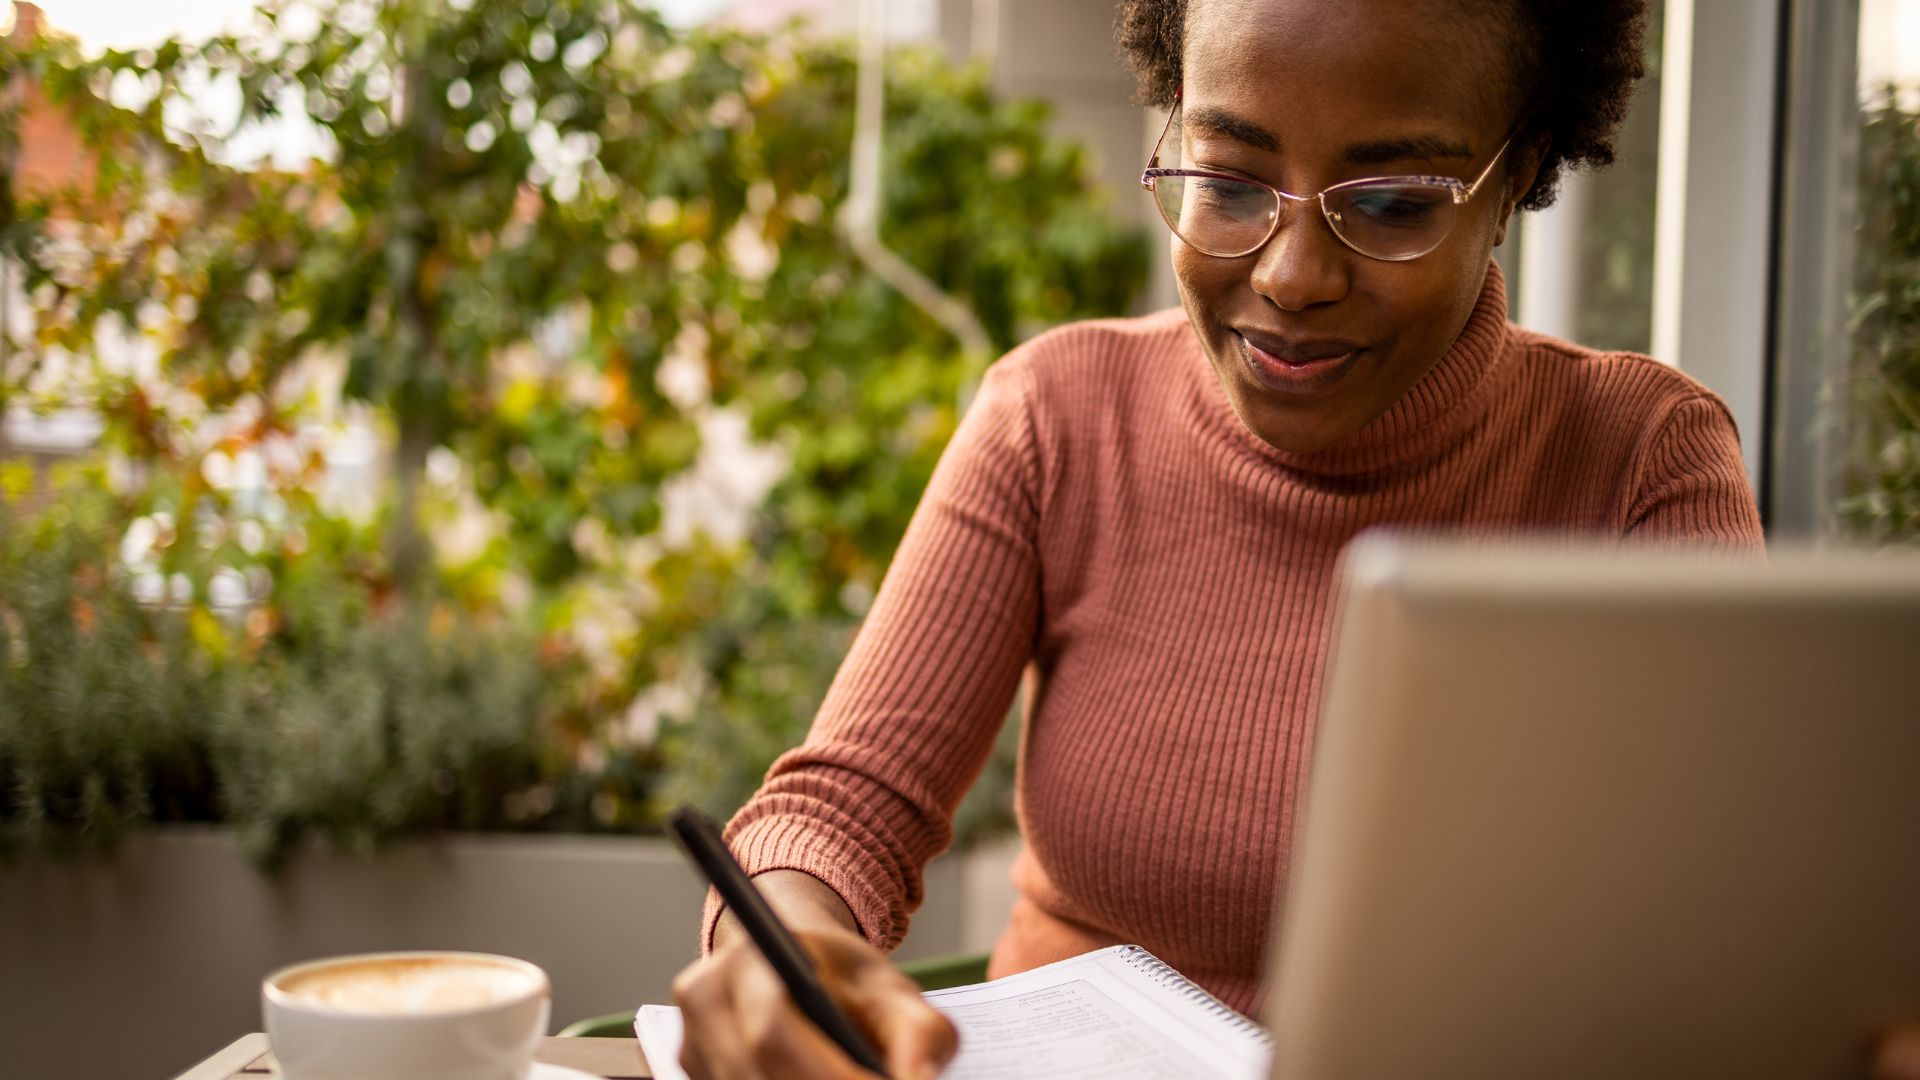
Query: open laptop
[[1606, 813]]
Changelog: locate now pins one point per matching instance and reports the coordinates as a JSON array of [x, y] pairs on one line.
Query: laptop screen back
[[1580, 813]]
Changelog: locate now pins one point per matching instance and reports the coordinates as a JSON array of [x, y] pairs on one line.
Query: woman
[[1147, 511]]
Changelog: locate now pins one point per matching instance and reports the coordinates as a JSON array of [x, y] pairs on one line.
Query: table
[[615, 1059]]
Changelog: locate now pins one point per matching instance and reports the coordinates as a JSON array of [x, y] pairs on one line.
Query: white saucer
[[544, 1071]]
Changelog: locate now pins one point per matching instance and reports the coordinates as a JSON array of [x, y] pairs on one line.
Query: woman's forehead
[[1353, 62]]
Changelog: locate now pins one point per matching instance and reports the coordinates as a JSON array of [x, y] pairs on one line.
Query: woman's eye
[[1224, 194], [1398, 206]]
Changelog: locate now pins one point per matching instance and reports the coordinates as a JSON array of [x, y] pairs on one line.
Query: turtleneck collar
[[1448, 400]]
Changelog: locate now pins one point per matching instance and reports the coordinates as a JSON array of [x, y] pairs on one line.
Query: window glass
[[1583, 268], [1879, 408], [1616, 245]]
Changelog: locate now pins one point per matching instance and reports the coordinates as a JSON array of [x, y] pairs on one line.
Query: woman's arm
[[1691, 483], [911, 717], [801, 900], [838, 835]]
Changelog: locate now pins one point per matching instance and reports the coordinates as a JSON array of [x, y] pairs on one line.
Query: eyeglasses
[[1391, 218]]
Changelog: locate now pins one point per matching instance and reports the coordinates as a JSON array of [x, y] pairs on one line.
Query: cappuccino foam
[[405, 986]]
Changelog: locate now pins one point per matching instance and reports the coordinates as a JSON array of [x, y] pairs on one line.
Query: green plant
[[313, 716], [102, 702], [358, 726], [1883, 477]]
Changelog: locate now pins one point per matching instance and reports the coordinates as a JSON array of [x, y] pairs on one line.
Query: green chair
[[934, 973], [942, 972], [611, 1026]]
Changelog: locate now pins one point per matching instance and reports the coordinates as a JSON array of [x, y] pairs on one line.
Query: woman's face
[[1303, 94]]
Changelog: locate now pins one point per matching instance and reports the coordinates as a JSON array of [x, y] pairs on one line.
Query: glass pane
[[1880, 500], [1583, 268], [1616, 246]]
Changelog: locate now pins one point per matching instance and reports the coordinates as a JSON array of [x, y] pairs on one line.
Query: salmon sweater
[[1104, 522]]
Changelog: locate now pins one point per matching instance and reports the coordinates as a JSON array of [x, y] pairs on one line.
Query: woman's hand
[[1897, 1056], [741, 1023]]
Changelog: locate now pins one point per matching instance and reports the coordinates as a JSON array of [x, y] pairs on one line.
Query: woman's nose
[[1303, 264]]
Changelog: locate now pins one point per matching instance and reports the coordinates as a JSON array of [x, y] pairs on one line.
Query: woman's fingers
[[914, 1039], [793, 1046], [711, 1046], [1898, 1055], [918, 1041], [740, 1021], [693, 1063], [778, 1038]]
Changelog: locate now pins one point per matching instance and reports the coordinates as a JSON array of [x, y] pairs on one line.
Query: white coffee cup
[[412, 1015]]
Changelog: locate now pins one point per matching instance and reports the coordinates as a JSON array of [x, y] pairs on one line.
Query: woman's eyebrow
[[1232, 126], [1378, 152], [1383, 151]]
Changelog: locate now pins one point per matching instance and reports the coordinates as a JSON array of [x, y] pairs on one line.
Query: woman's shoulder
[[1625, 387]]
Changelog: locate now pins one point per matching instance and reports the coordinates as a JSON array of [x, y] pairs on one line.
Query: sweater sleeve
[[910, 720], [1691, 484]]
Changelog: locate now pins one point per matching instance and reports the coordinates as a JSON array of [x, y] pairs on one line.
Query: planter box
[[142, 964]]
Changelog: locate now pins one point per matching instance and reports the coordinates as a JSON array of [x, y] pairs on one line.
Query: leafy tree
[[559, 248]]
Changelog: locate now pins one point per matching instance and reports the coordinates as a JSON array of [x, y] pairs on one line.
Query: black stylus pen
[[700, 837]]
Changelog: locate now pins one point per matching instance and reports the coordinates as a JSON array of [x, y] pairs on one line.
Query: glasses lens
[[1216, 215], [1392, 221]]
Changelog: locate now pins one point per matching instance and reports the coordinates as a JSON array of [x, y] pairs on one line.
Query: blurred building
[[49, 155]]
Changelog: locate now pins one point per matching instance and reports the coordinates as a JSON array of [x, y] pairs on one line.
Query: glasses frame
[[1461, 191]]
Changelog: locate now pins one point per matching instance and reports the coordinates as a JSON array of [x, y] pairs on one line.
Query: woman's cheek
[[1205, 284], [1185, 269]]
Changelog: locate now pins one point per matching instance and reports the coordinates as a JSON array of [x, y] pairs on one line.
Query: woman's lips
[[1303, 369]]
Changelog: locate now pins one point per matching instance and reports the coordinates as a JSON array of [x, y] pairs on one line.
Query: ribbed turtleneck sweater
[[1103, 520]]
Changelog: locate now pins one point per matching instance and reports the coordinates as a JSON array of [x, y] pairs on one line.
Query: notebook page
[[660, 1033], [1100, 1016]]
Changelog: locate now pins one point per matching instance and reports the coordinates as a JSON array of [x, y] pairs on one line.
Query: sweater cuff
[[791, 842]]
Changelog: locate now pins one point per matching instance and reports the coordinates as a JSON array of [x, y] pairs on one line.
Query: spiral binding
[[1157, 970]]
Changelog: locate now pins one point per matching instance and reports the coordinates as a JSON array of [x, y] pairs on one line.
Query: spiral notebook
[[1117, 1012]]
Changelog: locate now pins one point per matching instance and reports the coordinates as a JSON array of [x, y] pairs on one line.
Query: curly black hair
[[1576, 63]]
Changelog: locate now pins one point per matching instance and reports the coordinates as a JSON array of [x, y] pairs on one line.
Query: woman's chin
[[1291, 427], [1289, 435], [1291, 442]]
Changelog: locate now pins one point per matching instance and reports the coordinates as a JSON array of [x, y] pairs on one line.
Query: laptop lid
[[1604, 813]]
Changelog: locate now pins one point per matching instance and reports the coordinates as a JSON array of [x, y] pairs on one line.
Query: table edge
[[225, 1063]]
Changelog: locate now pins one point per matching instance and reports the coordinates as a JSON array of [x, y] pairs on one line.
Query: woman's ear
[[1525, 158]]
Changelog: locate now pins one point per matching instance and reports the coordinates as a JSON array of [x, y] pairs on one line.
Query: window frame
[[1714, 245], [1819, 196]]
